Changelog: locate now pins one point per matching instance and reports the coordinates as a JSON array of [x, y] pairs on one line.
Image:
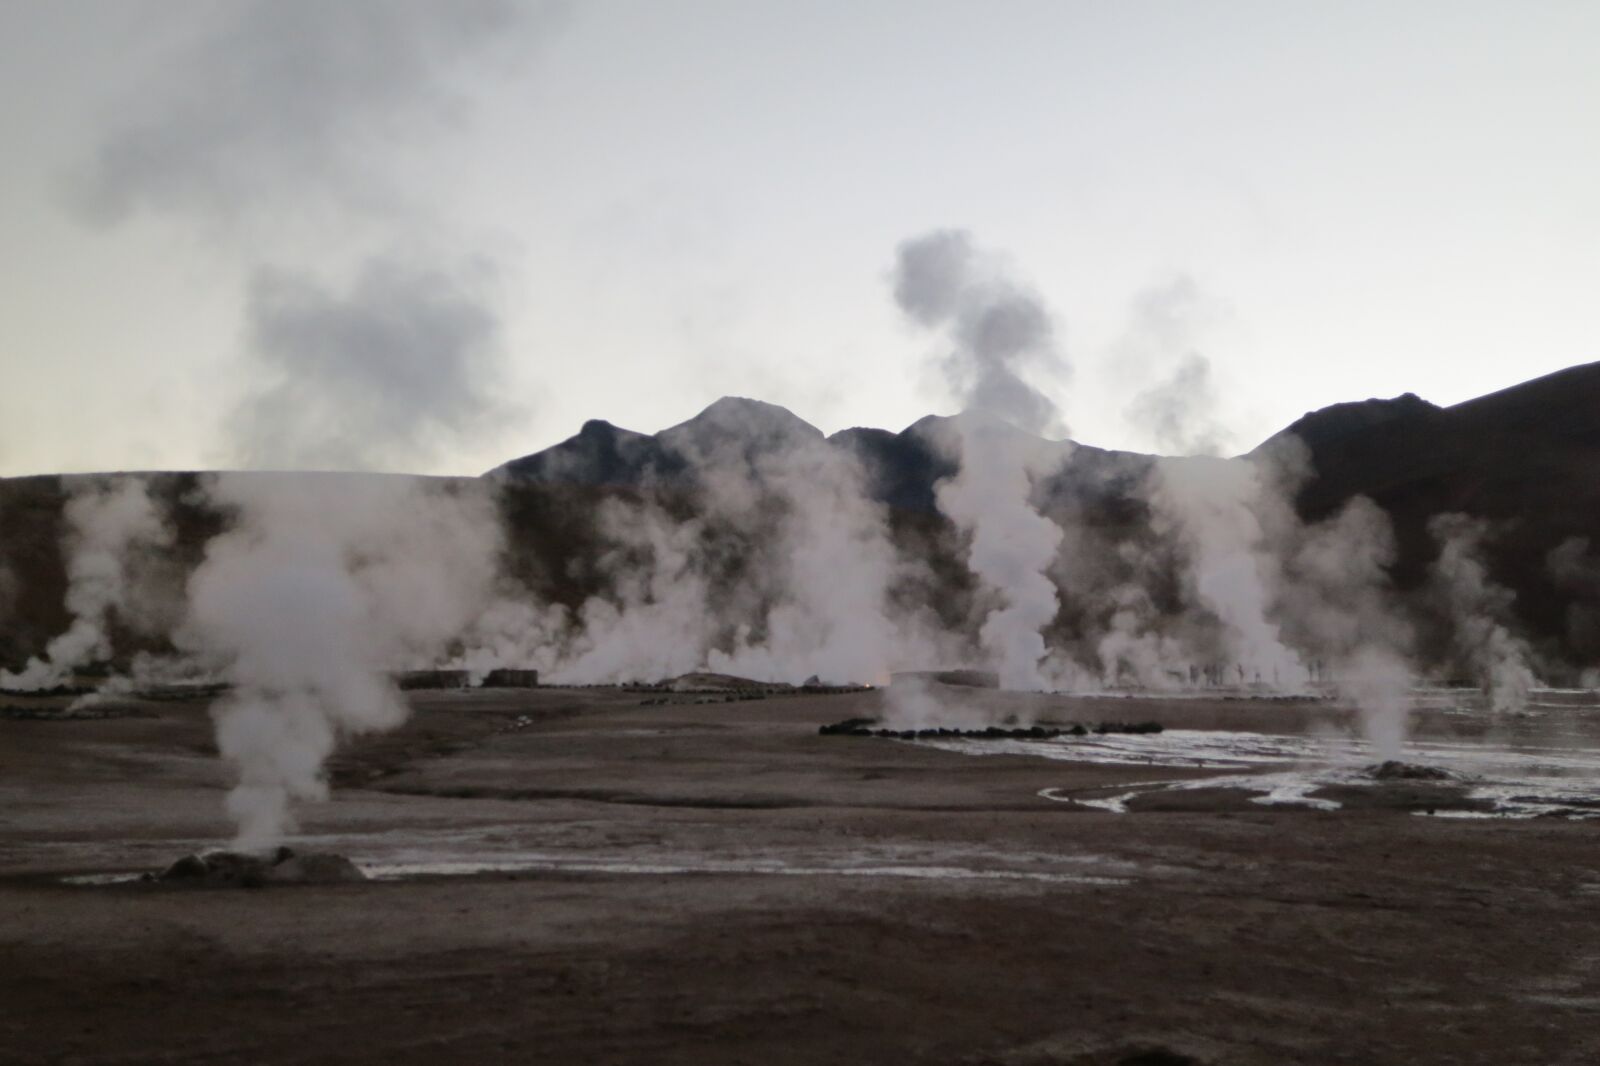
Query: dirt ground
[[717, 884]]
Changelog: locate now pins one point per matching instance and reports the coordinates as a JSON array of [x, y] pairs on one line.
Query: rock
[[188, 868], [1395, 770]]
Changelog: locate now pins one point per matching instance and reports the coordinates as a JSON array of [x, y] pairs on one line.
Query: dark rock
[[510, 678], [429, 679], [1395, 770], [232, 869], [188, 868], [1133, 728], [849, 727]]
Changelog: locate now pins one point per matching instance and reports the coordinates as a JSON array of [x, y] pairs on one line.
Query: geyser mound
[[1395, 770], [281, 866]]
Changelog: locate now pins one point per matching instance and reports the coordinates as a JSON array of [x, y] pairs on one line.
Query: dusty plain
[[568, 876]]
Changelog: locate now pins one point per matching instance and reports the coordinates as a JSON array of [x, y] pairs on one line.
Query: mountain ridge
[[1525, 459]]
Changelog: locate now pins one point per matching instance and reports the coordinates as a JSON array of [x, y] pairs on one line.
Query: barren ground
[[715, 883]]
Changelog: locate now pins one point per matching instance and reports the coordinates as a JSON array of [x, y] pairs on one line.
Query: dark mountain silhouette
[[1526, 458], [899, 469], [602, 454]]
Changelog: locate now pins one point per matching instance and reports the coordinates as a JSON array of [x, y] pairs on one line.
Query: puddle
[[1294, 790], [1114, 804], [1516, 781], [403, 871], [919, 862], [439, 858]]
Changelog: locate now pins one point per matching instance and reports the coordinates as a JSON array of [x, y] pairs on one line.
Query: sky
[[408, 235]]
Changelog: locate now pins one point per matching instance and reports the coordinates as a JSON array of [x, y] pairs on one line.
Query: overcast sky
[[430, 236]]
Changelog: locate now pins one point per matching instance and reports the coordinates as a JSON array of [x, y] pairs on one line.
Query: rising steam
[[1478, 609], [317, 592], [1178, 412], [1216, 509], [111, 527], [779, 570], [996, 329]]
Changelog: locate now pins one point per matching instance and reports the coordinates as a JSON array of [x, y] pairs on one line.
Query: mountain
[[601, 454], [899, 469], [1526, 458], [1526, 452]]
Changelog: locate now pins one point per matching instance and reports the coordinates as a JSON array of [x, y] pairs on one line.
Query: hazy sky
[[431, 236]]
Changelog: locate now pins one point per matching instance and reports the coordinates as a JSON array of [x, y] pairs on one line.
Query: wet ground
[[567, 876]]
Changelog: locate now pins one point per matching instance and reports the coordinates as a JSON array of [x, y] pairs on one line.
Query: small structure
[[963, 678], [704, 681], [414, 679], [507, 678]]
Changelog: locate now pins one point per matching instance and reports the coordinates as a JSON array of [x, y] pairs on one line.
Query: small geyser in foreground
[[281, 866]]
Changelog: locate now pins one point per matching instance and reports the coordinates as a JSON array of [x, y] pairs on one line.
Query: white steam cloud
[[280, 106], [1269, 601], [781, 572], [405, 364], [996, 330], [283, 125], [111, 525], [830, 571], [1179, 411], [1217, 509], [317, 592], [1338, 603], [656, 619]]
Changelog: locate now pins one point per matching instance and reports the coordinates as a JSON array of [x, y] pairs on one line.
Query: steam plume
[[1478, 607], [1338, 603], [832, 563], [110, 525], [1216, 508], [315, 594], [781, 572], [1273, 601], [1178, 411], [996, 329], [656, 620]]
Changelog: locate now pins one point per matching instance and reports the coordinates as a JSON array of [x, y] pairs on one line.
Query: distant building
[[504, 678], [964, 678], [414, 679]]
